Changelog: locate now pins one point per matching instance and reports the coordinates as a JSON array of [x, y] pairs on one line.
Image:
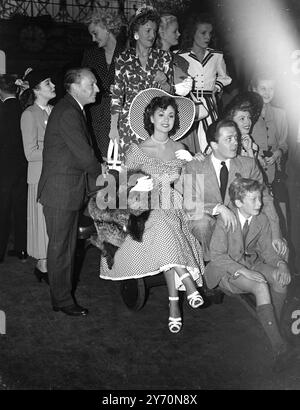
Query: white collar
[[217, 162], [44, 108], [243, 219], [80, 105]]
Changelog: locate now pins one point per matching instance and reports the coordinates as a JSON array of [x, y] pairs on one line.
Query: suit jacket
[[228, 254], [67, 157], [12, 158], [33, 126], [201, 187]]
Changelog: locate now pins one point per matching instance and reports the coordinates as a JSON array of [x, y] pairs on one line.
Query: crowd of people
[[213, 215]]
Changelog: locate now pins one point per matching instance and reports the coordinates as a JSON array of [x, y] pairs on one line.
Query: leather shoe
[[73, 310], [22, 255]]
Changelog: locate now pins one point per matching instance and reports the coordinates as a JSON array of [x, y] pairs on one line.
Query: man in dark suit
[[68, 159], [206, 185], [13, 171]]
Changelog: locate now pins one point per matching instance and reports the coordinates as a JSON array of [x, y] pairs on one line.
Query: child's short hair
[[239, 188]]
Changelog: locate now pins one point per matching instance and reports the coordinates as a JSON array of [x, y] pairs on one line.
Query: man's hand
[[252, 275], [184, 155], [228, 217], [143, 184], [199, 156], [280, 246]]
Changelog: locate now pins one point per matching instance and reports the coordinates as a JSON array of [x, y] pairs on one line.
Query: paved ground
[[221, 347]]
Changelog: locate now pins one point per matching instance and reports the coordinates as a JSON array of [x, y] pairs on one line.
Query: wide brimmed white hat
[[186, 110]]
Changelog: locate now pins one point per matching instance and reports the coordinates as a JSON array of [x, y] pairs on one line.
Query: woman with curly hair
[[107, 31], [167, 244], [139, 67], [244, 109]]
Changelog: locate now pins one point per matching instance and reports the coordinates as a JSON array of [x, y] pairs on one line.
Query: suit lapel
[[211, 180], [254, 229], [233, 170]]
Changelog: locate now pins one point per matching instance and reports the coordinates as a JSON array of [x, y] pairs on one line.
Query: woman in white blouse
[[208, 70], [33, 125]]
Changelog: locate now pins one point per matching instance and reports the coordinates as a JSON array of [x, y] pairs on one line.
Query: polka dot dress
[[167, 241], [98, 114]]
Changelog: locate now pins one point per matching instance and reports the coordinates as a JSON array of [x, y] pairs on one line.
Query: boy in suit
[[244, 261]]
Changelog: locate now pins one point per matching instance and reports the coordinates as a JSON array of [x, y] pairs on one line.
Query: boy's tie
[[245, 232]]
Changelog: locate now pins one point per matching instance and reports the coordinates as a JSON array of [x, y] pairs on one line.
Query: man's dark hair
[[239, 188], [213, 131], [7, 83], [74, 75]]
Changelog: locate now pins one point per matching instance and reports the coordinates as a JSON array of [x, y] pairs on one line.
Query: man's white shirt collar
[[217, 165], [80, 105], [243, 219]]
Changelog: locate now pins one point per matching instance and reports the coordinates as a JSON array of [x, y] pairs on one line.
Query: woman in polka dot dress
[[105, 27], [167, 244]]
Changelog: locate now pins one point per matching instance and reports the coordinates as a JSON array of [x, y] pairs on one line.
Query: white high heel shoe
[[195, 300], [175, 323]]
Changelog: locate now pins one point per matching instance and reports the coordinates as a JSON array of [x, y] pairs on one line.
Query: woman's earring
[[136, 36]]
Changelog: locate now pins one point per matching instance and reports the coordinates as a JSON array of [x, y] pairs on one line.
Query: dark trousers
[[13, 203], [62, 228]]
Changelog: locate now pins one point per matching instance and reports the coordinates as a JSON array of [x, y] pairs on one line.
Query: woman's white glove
[[184, 155], [143, 184], [184, 87]]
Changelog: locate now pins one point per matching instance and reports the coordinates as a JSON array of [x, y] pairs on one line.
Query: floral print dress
[[130, 79]]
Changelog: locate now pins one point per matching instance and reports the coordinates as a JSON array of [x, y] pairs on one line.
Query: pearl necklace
[[157, 141]]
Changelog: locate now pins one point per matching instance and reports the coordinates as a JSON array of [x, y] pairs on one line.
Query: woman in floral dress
[[139, 67]]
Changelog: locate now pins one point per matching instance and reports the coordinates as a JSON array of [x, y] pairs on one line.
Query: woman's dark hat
[[186, 111], [245, 101], [35, 77]]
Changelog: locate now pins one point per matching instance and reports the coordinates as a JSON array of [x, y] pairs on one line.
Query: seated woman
[[167, 244], [244, 109]]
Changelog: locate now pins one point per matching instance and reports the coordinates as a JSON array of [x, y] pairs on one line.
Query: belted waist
[[200, 93]]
